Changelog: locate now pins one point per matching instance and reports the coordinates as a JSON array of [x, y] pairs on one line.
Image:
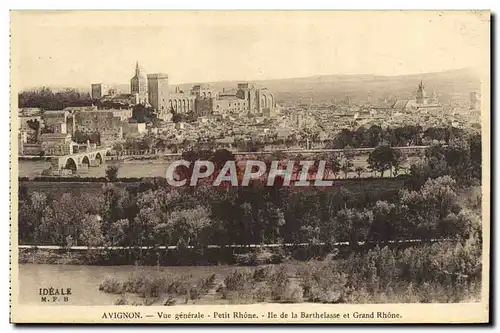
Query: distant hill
[[449, 85]]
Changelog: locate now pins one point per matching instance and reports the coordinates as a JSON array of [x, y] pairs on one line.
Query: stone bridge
[[76, 161]]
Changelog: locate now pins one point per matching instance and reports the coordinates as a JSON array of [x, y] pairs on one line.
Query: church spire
[[421, 94], [137, 69]]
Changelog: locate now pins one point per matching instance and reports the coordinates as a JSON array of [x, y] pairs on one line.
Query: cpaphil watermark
[[294, 173]]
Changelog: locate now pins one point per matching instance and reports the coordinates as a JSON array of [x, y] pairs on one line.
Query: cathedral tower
[[139, 85], [421, 94]]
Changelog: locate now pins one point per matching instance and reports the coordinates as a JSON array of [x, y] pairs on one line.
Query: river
[[84, 280], [158, 168], [136, 169]]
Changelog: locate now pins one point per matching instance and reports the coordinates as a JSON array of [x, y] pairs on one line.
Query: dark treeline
[[433, 205], [371, 137], [46, 99], [396, 137]]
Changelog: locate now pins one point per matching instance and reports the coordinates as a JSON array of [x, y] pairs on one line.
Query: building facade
[[202, 90], [182, 102], [53, 119], [56, 144], [154, 90], [421, 102], [102, 122], [265, 100], [99, 90], [123, 114]]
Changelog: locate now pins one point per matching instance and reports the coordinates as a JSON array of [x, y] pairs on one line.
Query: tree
[[82, 137], [373, 136], [160, 144], [190, 225], [117, 233], [31, 212], [220, 157], [45, 99], [398, 164], [359, 170], [91, 230], [352, 226], [118, 148], [112, 173], [428, 210], [386, 222], [475, 155], [333, 164], [382, 158], [347, 166], [141, 113]]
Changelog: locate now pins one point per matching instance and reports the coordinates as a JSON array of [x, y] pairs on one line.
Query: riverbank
[[173, 257], [441, 272], [210, 255]]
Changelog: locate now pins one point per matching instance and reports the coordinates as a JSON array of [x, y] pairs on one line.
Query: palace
[[154, 90]]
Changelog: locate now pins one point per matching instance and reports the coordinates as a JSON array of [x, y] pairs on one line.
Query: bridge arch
[[85, 160], [98, 158], [71, 164]]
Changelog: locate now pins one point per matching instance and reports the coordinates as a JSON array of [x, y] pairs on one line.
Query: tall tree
[[382, 158]]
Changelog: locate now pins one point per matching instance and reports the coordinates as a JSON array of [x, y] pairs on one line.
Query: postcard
[[250, 166]]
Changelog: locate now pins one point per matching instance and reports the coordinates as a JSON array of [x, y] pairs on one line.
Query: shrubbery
[[153, 289], [441, 272]]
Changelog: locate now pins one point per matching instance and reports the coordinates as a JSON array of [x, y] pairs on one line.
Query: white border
[[200, 4]]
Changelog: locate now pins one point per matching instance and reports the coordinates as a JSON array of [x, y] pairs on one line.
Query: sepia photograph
[[250, 166]]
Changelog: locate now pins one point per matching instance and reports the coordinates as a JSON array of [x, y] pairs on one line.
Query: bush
[[179, 287], [256, 257], [207, 283], [111, 285], [374, 270], [262, 273], [324, 282], [239, 279], [112, 173], [121, 301], [293, 293], [278, 281]]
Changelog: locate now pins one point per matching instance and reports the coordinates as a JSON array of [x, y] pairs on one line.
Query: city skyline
[[252, 46]]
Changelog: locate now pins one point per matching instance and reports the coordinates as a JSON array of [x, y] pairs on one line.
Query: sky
[[75, 49]]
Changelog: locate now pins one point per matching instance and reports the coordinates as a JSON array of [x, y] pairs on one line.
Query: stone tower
[[139, 85], [158, 94]]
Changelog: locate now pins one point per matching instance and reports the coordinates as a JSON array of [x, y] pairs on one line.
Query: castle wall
[[103, 122]]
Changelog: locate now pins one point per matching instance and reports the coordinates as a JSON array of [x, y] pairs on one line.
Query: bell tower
[[139, 85], [421, 94]]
